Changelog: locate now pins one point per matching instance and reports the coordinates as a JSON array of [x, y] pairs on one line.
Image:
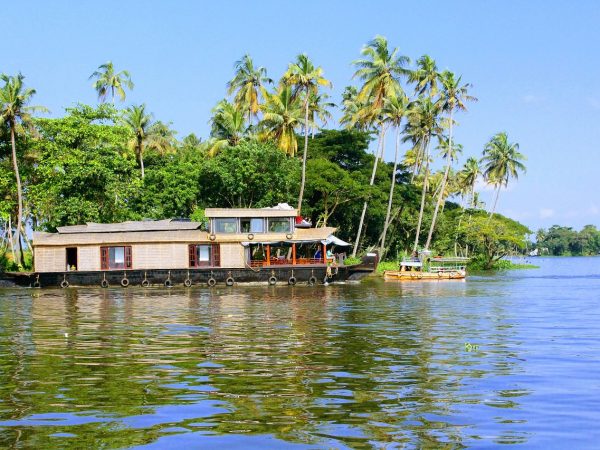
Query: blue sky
[[535, 68]]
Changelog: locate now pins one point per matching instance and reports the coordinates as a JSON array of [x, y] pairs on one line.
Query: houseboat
[[268, 245], [424, 267]]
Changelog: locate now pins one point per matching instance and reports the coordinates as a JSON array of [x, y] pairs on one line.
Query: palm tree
[[468, 175], [452, 98], [140, 124], [282, 115], [304, 77], [248, 84], [319, 109], [228, 127], [161, 138], [394, 110], [502, 161], [380, 71], [444, 189], [109, 81], [423, 125], [352, 109], [425, 76], [16, 115]]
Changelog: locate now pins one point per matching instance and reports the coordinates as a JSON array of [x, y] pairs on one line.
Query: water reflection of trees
[[304, 364]]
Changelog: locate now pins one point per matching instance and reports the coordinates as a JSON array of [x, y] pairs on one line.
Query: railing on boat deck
[[286, 262]]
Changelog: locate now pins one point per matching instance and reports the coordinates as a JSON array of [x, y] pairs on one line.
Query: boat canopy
[[411, 264]]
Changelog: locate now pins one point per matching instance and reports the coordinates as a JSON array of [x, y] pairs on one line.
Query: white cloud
[[546, 213]]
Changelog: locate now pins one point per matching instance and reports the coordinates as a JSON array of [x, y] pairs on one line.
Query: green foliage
[[562, 241], [479, 263], [252, 174], [493, 238], [83, 170]]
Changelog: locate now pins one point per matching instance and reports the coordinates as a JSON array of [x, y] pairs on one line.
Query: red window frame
[[215, 255], [105, 260]]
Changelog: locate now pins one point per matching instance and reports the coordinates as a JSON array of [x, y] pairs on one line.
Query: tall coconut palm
[[140, 124], [394, 110], [425, 76], [107, 81], [502, 161], [304, 77], [15, 114], [352, 108], [282, 116], [248, 84], [228, 127], [423, 125], [468, 175], [452, 98], [380, 71], [319, 109]]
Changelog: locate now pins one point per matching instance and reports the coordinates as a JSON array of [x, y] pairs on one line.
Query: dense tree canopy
[[105, 164]]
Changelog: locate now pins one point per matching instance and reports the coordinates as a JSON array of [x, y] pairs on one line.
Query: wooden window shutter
[[216, 255], [192, 253], [128, 262], [104, 258]]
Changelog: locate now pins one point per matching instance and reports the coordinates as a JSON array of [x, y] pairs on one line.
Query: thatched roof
[[140, 226]]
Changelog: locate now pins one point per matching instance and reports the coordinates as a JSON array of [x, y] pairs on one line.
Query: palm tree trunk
[[141, 150], [10, 239], [17, 235], [423, 192], [495, 202], [391, 197], [300, 197], [442, 188], [364, 210]]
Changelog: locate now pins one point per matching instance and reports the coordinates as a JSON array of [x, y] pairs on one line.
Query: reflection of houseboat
[[235, 245], [426, 267]]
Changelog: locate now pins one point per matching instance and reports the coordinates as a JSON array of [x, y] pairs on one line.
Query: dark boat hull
[[182, 277]]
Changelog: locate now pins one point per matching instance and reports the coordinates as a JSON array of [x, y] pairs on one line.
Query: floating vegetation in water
[[471, 347]]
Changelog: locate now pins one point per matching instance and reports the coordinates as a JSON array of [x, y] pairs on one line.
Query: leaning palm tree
[[228, 127], [502, 161], [380, 71], [453, 97], [107, 81], [423, 125], [140, 125], [282, 116], [450, 153], [394, 110], [304, 77], [15, 114], [248, 84]]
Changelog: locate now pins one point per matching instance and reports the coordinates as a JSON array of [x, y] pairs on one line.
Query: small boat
[[426, 267]]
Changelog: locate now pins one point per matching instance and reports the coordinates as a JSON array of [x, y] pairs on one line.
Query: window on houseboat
[[280, 225], [204, 255], [226, 225], [115, 258], [252, 225]]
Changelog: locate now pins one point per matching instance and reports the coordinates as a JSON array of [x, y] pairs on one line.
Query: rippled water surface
[[505, 359]]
